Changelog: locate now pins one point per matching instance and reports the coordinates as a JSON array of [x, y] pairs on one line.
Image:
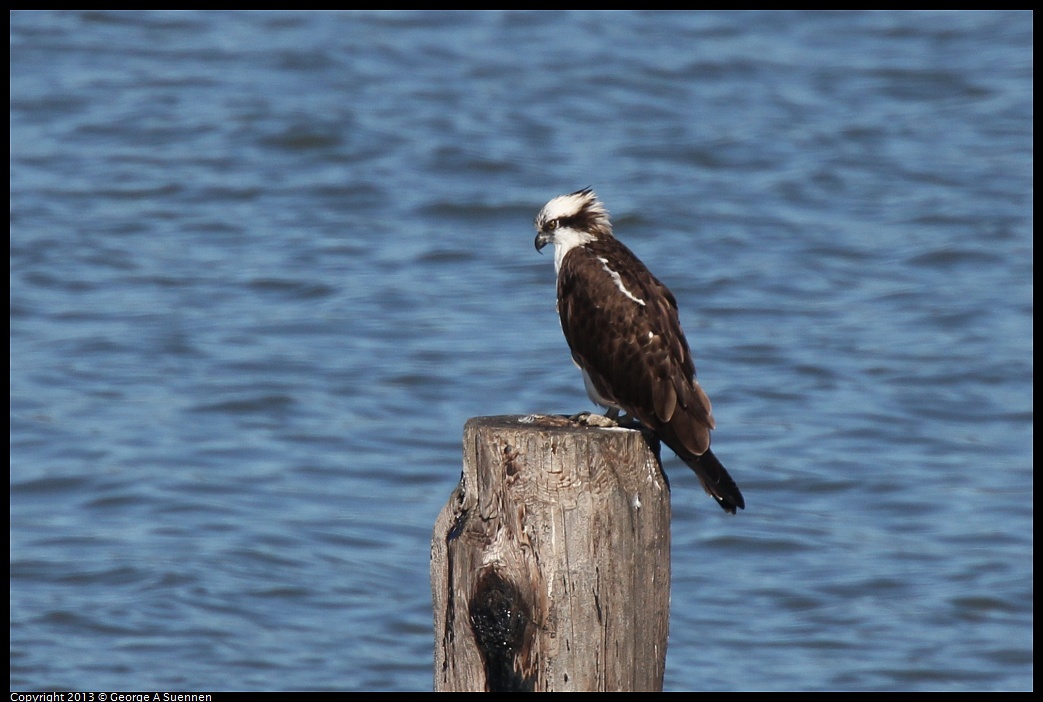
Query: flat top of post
[[551, 422]]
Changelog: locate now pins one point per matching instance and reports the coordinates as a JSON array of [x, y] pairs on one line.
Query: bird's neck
[[567, 239]]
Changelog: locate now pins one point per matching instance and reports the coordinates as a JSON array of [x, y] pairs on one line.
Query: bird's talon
[[589, 419]]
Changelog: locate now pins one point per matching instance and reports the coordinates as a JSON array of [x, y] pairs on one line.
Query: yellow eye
[[552, 225]]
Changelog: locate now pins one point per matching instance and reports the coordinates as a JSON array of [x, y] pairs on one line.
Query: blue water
[[264, 266]]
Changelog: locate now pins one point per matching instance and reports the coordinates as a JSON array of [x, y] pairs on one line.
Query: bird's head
[[571, 220]]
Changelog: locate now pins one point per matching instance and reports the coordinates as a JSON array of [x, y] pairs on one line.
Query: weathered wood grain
[[551, 561]]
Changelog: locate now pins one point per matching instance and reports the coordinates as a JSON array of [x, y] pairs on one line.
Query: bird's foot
[[621, 419], [612, 418], [589, 419]]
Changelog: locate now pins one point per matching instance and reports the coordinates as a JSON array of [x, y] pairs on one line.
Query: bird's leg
[[621, 418], [624, 420], [589, 419]]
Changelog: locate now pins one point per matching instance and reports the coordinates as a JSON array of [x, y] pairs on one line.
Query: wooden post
[[550, 565]]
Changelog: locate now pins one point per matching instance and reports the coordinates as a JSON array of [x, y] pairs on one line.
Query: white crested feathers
[[573, 220], [565, 206]]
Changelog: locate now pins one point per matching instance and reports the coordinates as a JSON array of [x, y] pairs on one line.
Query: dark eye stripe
[[577, 221]]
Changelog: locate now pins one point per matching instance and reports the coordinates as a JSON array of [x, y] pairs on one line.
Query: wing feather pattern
[[624, 330]]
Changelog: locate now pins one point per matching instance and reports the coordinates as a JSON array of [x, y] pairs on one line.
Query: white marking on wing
[[619, 282]]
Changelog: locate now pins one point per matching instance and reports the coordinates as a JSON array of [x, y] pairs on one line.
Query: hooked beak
[[542, 239]]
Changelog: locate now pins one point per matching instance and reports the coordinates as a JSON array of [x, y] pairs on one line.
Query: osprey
[[623, 328]]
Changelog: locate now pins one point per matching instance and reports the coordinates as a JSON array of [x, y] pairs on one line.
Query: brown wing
[[623, 328]]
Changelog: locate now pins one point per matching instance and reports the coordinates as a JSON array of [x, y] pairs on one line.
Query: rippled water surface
[[265, 265]]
